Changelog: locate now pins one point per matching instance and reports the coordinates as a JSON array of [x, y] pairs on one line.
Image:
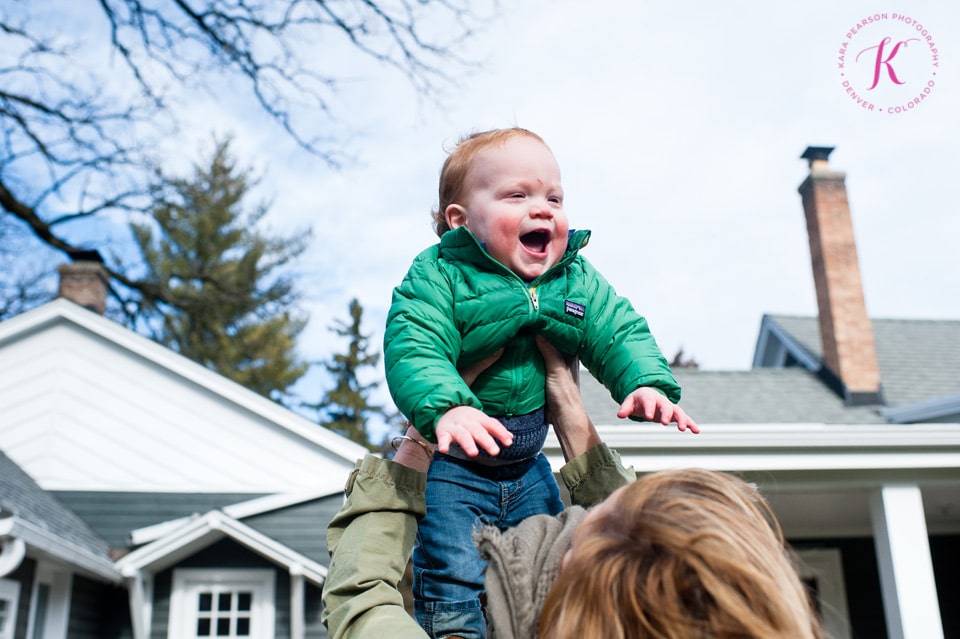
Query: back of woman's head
[[681, 554]]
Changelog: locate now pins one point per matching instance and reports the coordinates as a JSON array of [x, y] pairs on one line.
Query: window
[[224, 614], [222, 603], [9, 600]]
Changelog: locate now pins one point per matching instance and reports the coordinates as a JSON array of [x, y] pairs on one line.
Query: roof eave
[[239, 510], [806, 447], [203, 531], [770, 330], [42, 543], [925, 411]]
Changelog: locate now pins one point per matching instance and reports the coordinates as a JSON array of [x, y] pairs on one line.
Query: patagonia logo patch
[[572, 308]]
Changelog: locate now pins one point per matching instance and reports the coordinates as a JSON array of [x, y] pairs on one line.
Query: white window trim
[[59, 583], [826, 566], [10, 592], [188, 581]]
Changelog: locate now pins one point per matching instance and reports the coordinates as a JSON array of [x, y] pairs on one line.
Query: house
[[850, 426], [142, 495]]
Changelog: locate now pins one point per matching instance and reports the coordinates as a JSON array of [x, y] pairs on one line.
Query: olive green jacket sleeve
[[372, 537], [592, 476], [370, 542]]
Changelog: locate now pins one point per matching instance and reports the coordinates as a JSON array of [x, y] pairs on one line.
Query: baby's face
[[513, 204]]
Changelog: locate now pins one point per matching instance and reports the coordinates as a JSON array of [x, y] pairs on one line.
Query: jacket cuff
[[593, 475], [380, 484]]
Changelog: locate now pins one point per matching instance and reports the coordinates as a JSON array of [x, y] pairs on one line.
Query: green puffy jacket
[[457, 305]]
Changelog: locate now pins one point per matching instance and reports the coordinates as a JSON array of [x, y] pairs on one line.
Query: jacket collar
[[460, 244]]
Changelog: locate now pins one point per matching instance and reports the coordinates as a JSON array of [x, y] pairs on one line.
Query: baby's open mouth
[[535, 241]]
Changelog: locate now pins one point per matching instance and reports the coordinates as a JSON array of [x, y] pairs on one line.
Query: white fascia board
[[781, 446], [61, 309], [240, 510], [196, 534], [267, 503], [145, 535], [57, 549], [203, 531]]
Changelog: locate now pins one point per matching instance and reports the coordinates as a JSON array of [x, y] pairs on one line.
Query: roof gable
[[201, 532], [91, 405], [250, 508]]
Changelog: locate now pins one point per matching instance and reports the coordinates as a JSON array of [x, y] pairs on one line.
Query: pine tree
[[347, 407], [226, 301]]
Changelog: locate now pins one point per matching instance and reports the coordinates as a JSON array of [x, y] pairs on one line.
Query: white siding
[[82, 411]]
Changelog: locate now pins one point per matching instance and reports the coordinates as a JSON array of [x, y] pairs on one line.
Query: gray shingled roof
[[20, 495], [758, 396], [918, 359]]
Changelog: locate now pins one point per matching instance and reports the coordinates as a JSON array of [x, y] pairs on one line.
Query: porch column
[[297, 592], [137, 600], [906, 569]]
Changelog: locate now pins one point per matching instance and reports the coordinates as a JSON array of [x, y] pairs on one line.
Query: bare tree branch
[[80, 118]]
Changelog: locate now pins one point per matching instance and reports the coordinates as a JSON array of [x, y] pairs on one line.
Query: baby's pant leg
[[447, 569], [535, 492]]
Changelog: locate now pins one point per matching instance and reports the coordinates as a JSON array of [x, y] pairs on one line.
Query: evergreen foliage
[[347, 407], [226, 300]]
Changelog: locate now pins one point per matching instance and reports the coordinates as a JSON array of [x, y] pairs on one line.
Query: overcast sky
[[678, 127]]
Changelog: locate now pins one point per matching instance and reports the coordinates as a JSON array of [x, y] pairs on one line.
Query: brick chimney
[[846, 333], [84, 280]]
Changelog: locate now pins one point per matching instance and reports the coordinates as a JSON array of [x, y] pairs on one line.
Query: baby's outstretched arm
[[649, 404], [470, 428]]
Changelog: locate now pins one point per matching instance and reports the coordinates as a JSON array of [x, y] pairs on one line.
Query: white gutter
[[12, 550], [57, 548], [739, 447]]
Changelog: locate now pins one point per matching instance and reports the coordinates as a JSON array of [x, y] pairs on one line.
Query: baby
[[506, 269]]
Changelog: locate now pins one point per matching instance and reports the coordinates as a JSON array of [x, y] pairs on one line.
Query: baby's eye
[[518, 195], [556, 200]]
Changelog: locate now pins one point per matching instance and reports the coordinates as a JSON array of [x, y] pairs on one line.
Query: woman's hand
[[565, 409]]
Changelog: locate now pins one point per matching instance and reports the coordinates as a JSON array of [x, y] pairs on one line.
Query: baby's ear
[[456, 215]]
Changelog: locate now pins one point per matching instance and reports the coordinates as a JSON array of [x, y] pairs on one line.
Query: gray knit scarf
[[523, 563]]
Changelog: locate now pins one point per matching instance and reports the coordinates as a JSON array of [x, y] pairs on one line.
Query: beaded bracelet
[[396, 441]]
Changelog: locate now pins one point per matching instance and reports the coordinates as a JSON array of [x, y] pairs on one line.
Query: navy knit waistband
[[529, 434]]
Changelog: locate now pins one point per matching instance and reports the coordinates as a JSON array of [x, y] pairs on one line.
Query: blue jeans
[[447, 569]]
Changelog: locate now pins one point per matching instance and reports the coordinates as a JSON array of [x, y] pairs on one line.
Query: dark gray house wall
[[114, 515], [98, 611], [864, 598]]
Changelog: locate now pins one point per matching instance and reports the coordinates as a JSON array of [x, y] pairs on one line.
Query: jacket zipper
[[533, 297]]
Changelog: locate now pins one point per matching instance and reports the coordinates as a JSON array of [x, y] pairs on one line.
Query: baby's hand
[[469, 427], [649, 404]]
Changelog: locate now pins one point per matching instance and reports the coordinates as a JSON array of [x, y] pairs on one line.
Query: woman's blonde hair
[[453, 175], [682, 554]]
